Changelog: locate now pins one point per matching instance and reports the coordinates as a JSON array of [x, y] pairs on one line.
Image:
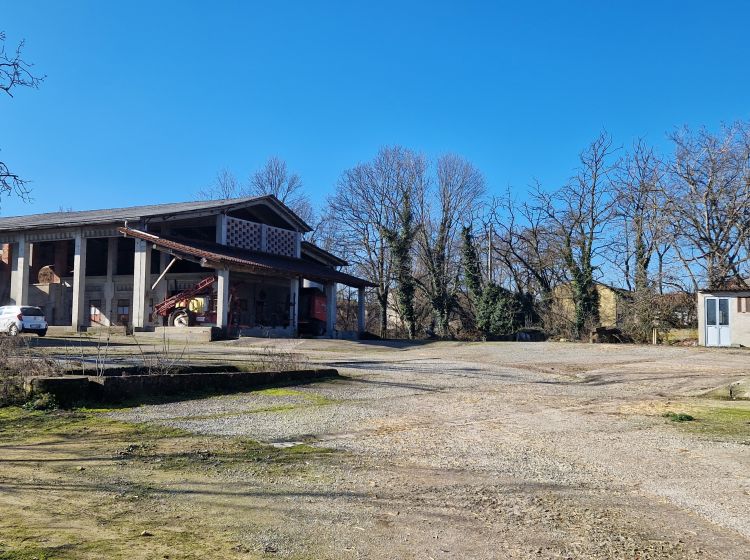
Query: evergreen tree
[[498, 311]]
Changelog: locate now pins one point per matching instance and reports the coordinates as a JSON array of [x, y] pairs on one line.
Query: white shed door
[[717, 322]]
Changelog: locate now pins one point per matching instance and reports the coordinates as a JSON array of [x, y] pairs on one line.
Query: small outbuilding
[[724, 317]]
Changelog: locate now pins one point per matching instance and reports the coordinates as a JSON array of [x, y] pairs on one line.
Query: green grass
[[312, 398], [17, 424], [720, 423], [678, 416]]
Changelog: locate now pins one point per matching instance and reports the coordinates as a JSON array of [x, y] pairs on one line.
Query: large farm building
[[237, 264]]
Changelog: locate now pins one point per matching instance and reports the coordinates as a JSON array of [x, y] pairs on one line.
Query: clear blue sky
[[145, 101]]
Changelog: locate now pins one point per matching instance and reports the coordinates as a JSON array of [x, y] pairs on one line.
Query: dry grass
[[18, 359]]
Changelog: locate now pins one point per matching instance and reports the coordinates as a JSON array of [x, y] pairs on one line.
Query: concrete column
[[141, 283], [109, 285], [19, 278], [79, 283], [294, 304], [361, 310], [222, 298], [221, 229], [6, 265], [331, 309]]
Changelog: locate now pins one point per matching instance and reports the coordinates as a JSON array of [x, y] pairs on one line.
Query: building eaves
[[214, 255]]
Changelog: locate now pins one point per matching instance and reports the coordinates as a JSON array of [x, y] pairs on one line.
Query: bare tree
[[15, 72], [525, 247], [365, 209], [578, 216], [708, 201], [442, 207], [225, 185], [641, 225], [275, 179], [639, 211]]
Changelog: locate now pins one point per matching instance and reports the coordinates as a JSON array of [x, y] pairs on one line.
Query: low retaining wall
[[69, 389]]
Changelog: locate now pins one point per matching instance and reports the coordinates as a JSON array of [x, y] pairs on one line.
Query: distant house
[[611, 304], [724, 317]]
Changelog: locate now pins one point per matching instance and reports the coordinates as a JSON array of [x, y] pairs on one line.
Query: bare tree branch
[[15, 72]]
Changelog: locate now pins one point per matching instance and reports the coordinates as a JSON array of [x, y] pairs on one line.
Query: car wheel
[[13, 330], [42, 333]]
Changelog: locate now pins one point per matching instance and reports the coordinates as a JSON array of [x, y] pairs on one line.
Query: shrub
[[678, 416], [43, 401], [499, 312]]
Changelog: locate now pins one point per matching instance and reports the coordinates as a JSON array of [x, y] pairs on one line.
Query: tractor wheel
[[180, 318]]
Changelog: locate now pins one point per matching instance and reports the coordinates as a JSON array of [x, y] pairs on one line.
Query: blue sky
[[145, 101]]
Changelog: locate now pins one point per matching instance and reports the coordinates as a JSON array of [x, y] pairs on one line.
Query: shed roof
[[220, 256], [138, 213]]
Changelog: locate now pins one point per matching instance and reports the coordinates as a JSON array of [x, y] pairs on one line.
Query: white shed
[[724, 318]]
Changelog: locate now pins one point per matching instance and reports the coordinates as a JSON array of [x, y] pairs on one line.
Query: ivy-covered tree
[[470, 262], [579, 217], [401, 245]]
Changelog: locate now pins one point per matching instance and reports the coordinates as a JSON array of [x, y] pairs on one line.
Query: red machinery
[[312, 311], [177, 307]]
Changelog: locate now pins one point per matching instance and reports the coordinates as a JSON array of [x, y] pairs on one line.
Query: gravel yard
[[497, 450]]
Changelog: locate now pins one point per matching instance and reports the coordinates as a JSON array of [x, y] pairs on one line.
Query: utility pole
[[489, 254]]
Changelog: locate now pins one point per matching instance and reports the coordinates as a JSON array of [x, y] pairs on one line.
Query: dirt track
[[453, 450], [532, 449]]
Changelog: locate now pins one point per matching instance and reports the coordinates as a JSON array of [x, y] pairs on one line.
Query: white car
[[15, 319]]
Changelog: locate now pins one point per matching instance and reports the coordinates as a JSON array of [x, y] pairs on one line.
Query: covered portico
[[256, 291]]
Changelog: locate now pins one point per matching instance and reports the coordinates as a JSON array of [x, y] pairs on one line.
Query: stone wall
[[70, 390]]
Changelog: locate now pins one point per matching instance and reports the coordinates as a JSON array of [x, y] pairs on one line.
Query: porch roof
[[215, 255]]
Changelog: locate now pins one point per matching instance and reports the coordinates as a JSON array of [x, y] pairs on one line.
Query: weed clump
[[678, 416], [43, 401]]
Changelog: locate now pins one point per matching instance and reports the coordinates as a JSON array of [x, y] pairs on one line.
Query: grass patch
[[730, 422], [282, 392], [17, 424], [678, 416], [311, 398]]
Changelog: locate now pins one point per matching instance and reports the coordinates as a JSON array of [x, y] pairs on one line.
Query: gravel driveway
[[498, 450]]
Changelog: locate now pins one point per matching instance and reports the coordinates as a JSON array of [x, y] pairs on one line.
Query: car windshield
[[32, 312]]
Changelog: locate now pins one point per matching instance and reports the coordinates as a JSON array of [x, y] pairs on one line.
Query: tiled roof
[[136, 213], [219, 256]]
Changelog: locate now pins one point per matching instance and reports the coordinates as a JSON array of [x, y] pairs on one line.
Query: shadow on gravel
[[408, 366], [203, 489], [413, 386]]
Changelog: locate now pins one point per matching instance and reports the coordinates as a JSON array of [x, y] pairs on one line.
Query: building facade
[[114, 267]]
